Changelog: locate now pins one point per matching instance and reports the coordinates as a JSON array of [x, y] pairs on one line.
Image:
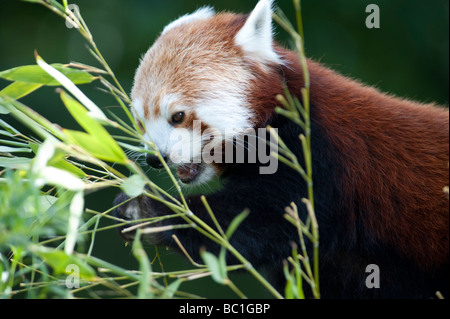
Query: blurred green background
[[407, 56]]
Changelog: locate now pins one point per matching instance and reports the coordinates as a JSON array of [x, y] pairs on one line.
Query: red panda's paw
[[135, 213]]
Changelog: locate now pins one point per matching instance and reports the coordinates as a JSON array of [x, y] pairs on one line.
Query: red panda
[[379, 162]]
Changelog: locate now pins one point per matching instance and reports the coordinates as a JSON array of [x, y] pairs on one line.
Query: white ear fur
[[256, 36], [200, 14]]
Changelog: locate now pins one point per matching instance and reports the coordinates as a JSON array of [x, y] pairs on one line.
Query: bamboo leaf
[[236, 222], [145, 267], [171, 289], [34, 147], [58, 177], [46, 201], [213, 264], [30, 118], [14, 143], [15, 162], [93, 146], [8, 128], [4, 110], [223, 262], [59, 161], [98, 142], [51, 175], [6, 133], [43, 155], [290, 290], [18, 89], [76, 210], [60, 261], [36, 75], [8, 149], [134, 186], [71, 87]]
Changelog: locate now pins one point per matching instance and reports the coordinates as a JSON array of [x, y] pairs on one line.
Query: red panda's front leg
[[259, 238]]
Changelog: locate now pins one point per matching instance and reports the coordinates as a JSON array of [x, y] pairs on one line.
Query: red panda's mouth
[[187, 173]]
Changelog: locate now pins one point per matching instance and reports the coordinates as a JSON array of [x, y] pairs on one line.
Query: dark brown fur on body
[[396, 154]]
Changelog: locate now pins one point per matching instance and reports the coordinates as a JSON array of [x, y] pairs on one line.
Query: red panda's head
[[204, 75]]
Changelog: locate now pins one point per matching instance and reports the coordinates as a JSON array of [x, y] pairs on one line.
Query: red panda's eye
[[178, 118]]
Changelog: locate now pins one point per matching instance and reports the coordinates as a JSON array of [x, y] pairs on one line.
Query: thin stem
[[235, 289]]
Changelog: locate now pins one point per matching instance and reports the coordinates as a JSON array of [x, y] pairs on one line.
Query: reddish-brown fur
[[209, 45], [396, 151], [396, 154], [386, 159]]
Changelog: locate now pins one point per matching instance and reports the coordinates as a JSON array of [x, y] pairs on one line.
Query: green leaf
[[98, 141], [92, 146], [223, 262], [71, 87], [9, 129], [237, 221], [60, 261], [8, 149], [214, 265], [36, 122], [46, 201], [4, 110], [289, 290], [76, 210], [171, 289], [59, 161], [35, 74], [134, 186], [6, 133], [18, 90], [13, 143], [34, 147], [145, 267], [15, 163], [80, 114]]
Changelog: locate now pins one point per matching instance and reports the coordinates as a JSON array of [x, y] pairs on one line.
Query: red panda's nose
[[154, 161]]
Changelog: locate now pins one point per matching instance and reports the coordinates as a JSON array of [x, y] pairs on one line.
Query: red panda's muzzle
[[187, 173]]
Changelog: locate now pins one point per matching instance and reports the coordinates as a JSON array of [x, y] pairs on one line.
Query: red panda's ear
[[256, 36], [200, 14]]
